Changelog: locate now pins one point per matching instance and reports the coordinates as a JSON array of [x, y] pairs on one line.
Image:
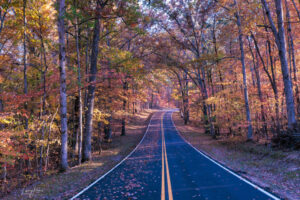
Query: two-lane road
[[164, 166]]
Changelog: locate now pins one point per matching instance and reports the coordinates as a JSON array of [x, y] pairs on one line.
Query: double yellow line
[[164, 162]]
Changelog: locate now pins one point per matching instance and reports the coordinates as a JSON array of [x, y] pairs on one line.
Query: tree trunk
[[209, 126], [48, 141], [75, 120], [99, 138], [87, 148], [257, 75], [107, 130], [293, 59], [87, 56], [4, 177], [295, 6], [63, 87], [125, 88], [80, 126], [2, 126], [247, 108], [186, 113], [279, 35], [152, 99], [25, 60], [248, 114], [43, 102]]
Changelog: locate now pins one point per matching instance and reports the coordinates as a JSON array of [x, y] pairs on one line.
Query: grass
[[276, 170], [66, 185]]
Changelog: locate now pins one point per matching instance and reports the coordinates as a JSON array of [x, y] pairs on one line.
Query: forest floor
[[65, 185], [275, 170]]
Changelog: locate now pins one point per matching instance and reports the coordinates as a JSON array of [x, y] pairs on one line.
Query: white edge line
[[226, 169], [89, 186]]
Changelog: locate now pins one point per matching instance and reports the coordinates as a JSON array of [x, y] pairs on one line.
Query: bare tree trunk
[[248, 114], [24, 60], [4, 14], [4, 177], [271, 77], [152, 99], [186, 113], [107, 130], [99, 138], [293, 59], [63, 87], [183, 87], [48, 141], [274, 85], [1, 110], [75, 119], [257, 74], [87, 148], [279, 35], [125, 88], [86, 65], [201, 83], [295, 6], [80, 126]]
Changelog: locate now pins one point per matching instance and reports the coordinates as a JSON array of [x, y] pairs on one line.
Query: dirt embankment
[[276, 171]]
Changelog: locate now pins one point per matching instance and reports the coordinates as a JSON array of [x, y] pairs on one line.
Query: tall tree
[[242, 58], [25, 59], [80, 120], [63, 86], [88, 129], [280, 39], [293, 66]]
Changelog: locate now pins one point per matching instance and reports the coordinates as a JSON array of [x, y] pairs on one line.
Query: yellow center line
[[165, 157], [163, 194]]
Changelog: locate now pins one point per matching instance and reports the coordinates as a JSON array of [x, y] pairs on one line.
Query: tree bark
[[183, 87], [107, 129], [43, 102], [295, 6], [3, 16], [257, 75], [80, 129], [279, 35], [293, 58], [248, 114], [25, 60], [87, 148], [125, 88], [48, 141], [271, 77], [87, 56], [186, 100], [63, 87]]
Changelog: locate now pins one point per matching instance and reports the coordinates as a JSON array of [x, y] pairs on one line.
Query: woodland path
[[164, 166]]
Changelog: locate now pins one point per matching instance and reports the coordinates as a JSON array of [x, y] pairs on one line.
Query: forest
[[73, 73]]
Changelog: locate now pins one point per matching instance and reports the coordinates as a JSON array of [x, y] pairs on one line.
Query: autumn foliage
[[230, 66]]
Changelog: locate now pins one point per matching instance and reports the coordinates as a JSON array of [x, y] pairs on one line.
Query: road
[[164, 166]]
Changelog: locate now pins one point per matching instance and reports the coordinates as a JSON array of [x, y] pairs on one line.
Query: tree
[[88, 130], [280, 38], [63, 86], [247, 108]]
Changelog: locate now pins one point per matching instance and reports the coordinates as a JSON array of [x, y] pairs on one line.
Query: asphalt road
[[165, 166]]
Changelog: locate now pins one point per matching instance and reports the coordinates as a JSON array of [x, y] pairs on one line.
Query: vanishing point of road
[[164, 166]]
